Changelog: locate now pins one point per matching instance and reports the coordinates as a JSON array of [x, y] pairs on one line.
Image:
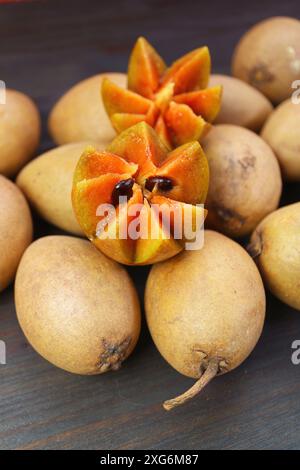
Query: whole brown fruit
[[242, 104], [80, 114], [282, 133], [15, 230], [47, 183], [205, 310], [76, 307], [245, 182], [20, 129], [275, 246], [268, 57]]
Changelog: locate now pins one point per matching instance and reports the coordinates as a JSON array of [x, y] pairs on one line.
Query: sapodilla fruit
[[77, 308], [245, 181], [153, 182], [79, 114], [20, 129], [47, 181], [15, 230], [282, 132], [205, 310], [242, 104], [275, 246], [268, 57], [174, 100]]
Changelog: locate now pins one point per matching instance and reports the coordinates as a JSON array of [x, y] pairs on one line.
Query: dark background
[[46, 47]]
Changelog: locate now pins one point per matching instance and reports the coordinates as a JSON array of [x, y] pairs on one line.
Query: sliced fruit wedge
[[115, 240], [88, 195], [139, 144], [119, 100], [164, 96], [93, 164], [156, 243], [122, 121], [190, 72], [145, 69], [203, 102], [183, 124], [187, 167], [163, 132], [185, 220]]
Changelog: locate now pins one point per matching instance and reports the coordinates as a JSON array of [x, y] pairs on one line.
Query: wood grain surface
[[45, 47]]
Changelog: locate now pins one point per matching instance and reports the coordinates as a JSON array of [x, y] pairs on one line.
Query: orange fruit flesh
[[134, 232], [174, 101]]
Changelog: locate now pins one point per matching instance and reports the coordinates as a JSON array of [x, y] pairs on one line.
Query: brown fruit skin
[[15, 230], [275, 247], [245, 182], [77, 308], [47, 184], [206, 304], [80, 115], [282, 133], [20, 129], [242, 104], [268, 57]]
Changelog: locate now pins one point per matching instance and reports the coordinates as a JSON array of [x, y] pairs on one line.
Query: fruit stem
[[210, 372]]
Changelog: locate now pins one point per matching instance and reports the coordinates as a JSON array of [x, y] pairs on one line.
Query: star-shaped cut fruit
[[174, 101], [155, 195]]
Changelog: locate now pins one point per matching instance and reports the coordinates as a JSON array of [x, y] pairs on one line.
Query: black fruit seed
[[163, 183], [122, 189]]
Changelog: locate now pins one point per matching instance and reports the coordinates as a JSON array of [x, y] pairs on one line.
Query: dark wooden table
[[45, 47]]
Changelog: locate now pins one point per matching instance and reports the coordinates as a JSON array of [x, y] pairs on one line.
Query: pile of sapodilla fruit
[[205, 309]]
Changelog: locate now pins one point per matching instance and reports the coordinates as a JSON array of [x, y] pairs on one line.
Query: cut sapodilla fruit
[[138, 202], [174, 100], [205, 310]]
